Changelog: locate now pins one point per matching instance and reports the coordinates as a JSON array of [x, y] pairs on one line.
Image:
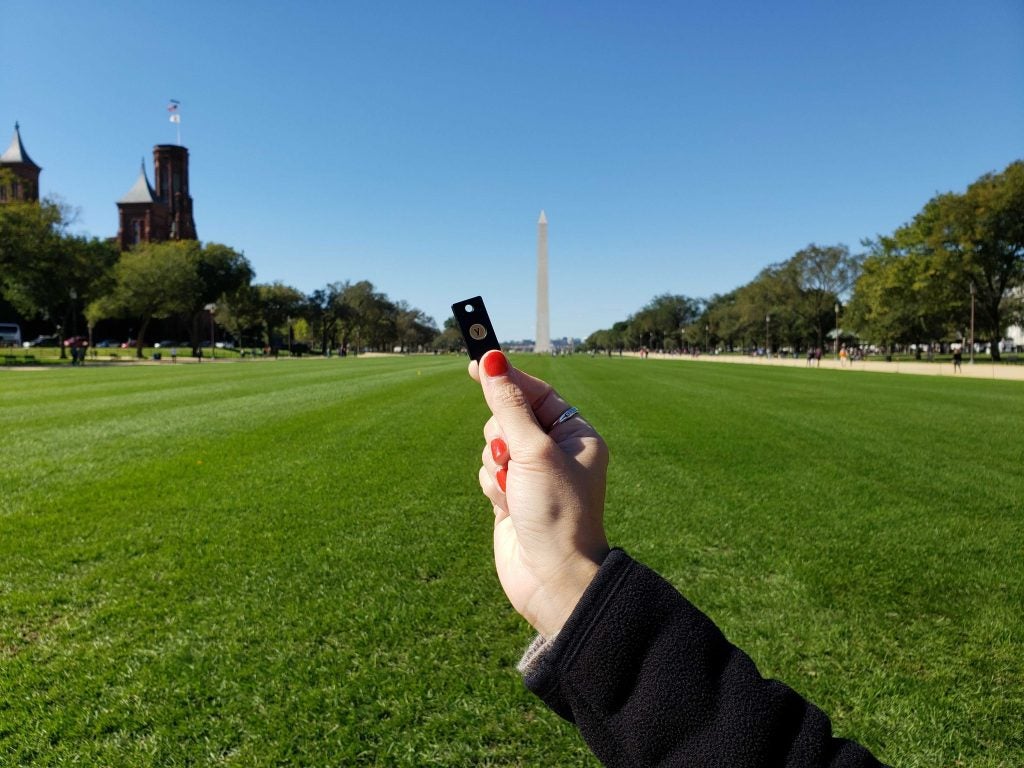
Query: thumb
[[517, 400]]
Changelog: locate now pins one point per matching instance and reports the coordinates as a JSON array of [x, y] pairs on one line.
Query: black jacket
[[649, 680]]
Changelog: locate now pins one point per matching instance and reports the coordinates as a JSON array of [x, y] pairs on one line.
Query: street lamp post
[[74, 320], [707, 331], [835, 350], [767, 336], [974, 291], [73, 294], [211, 308], [289, 336]]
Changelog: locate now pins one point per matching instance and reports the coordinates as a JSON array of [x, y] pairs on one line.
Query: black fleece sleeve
[[649, 680]]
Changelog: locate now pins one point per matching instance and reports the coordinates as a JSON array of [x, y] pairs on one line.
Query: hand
[[548, 494]]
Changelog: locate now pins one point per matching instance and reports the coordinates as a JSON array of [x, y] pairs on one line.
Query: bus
[[10, 335]]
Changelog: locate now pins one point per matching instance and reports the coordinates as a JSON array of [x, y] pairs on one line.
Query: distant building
[[561, 346], [22, 183], [148, 214], [1015, 333]]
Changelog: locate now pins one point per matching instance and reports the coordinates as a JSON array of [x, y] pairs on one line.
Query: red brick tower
[[170, 171], [152, 215], [23, 181]]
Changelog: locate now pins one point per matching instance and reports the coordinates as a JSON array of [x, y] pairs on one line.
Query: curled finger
[[489, 485]]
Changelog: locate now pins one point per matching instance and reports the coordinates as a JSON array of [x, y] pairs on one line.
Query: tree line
[[958, 264], [49, 274]]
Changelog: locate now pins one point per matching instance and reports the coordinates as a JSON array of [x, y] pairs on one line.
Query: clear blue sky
[[675, 146]]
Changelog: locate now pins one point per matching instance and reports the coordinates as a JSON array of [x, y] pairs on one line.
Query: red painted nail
[[502, 477], [495, 364], [499, 450]]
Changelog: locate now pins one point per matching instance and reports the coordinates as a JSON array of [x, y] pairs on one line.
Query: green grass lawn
[[288, 563]]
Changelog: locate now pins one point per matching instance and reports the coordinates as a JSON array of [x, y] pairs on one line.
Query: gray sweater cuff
[[533, 654]]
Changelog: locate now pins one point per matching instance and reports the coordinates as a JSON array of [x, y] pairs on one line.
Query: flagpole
[[175, 117]]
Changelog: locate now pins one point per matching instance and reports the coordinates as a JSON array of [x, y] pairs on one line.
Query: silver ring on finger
[[567, 414]]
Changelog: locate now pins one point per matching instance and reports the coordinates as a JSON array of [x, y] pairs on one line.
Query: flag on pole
[[172, 109]]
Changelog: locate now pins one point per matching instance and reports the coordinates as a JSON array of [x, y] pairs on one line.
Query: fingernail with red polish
[[495, 364], [498, 449], [502, 477]]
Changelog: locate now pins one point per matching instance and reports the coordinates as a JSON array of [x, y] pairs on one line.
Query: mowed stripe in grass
[[860, 535], [289, 562], [263, 564]]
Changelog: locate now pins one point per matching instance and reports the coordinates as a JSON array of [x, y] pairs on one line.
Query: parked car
[[127, 344], [168, 343], [42, 341], [76, 341], [108, 344]]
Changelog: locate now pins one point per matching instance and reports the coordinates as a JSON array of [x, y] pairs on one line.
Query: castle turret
[[170, 172], [161, 212], [141, 217], [23, 181]]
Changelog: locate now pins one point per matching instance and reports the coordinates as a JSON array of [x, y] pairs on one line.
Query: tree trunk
[[140, 339], [194, 332]]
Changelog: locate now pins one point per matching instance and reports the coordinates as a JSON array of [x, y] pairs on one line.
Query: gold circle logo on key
[[477, 331]]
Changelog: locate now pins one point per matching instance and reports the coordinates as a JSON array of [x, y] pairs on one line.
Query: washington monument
[[543, 341]]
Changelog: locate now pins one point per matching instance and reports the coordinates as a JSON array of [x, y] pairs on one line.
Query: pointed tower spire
[[25, 184], [141, 191], [16, 154]]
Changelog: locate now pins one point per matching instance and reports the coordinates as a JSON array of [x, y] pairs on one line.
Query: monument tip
[[543, 219]]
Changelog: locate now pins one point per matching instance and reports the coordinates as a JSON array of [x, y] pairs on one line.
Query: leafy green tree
[[278, 305], [825, 275], [241, 314], [964, 240], [598, 341], [789, 304], [327, 311], [770, 307], [450, 337], [662, 322], [28, 232], [885, 307], [220, 271], [621, 337], [370, 315], [721, 317], [991, 226], [413, 327], [153, 281], [46, 272]]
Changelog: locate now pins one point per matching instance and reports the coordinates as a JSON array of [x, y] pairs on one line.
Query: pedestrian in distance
[[646, 678], [958, 359]]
